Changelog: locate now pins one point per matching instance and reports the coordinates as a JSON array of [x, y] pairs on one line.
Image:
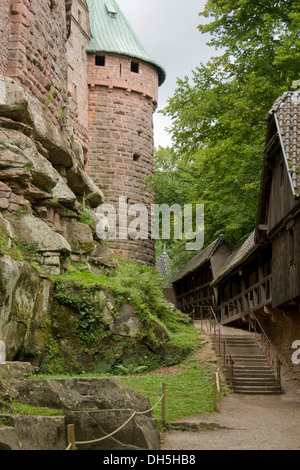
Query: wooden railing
[[220, 341], [256, 296], [268, 348], [195, 296]]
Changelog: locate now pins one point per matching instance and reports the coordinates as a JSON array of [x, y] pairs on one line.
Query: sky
[[168, 31]]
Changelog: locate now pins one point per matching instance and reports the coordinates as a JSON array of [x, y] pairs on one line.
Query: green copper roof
[[111, 32]]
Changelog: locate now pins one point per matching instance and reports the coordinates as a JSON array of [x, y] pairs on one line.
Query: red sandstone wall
[[33, 45], [117, 73], [37, 55], [77, 67], [4, 33]]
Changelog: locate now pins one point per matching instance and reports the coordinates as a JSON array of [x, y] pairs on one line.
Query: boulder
[[78, 235], [16, 370], [141, 433], [20, 160], [127, 322], [97, 407], [102, 255], [82, 185], [33, 433], [35, 231], [79, 394], [25, 301]]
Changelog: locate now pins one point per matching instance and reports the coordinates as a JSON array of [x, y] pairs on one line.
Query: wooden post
[[215, 391], [218, 381], [71, 436], [163, 403]]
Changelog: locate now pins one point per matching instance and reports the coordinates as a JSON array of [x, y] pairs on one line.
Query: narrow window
[[79, 17], [136, 157], [135, 67], [100, 60], [120, 70]]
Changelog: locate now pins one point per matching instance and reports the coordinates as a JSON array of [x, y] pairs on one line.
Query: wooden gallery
[[261, 279]]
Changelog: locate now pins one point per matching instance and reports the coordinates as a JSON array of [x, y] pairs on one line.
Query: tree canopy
[[218, 114]]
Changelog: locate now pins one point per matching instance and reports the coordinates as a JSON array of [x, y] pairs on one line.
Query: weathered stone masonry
[[121, 106], [101, 102]]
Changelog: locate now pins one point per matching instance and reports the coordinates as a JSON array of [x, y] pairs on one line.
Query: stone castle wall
[[4, 33], [35, 52], [121, 106], [104, 112]]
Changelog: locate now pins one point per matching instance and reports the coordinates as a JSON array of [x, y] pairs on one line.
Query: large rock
[[59, 147], [25, 301], [18, 105], [82, 185], [75, 394], [79, 236], [21, 161], [96, 407], [33, 433], [141, 433], [37, 232]]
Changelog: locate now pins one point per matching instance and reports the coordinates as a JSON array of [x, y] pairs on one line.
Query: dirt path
[[244, 422]]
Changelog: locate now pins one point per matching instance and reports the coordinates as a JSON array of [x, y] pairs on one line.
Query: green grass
[[189, 390], [28, 410]]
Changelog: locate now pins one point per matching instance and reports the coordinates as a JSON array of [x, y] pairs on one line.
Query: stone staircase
[[252, 373]]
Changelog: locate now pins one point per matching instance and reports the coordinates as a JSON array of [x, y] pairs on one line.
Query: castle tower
[[123, 87]]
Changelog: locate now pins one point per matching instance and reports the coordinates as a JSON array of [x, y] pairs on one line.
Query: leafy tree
[[218, 126]]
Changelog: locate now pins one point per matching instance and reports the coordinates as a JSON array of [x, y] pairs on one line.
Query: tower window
[[135, 66], [79, 17], [136, 157], [100, 60]]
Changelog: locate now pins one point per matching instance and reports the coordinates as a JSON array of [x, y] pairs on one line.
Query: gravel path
[[245, 422]]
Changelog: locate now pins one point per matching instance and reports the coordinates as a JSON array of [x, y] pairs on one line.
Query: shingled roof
[[237, 257], [210, 253], [286, 111]]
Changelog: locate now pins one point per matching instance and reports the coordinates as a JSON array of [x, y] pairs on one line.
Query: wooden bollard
[[163, 403], [71, 436]]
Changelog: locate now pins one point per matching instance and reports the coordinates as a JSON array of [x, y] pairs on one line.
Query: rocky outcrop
[[48, 242], [25, 300], [44, 188], [97, 407], [79, 394]]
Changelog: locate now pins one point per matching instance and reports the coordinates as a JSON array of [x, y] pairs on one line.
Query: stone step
[[253, 381], [252, 373], [258, 390]]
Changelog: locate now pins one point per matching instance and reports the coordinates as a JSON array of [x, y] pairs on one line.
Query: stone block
[[4, 203]]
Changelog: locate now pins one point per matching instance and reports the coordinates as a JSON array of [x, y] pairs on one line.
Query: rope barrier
[[119, 429], [71, 430]]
